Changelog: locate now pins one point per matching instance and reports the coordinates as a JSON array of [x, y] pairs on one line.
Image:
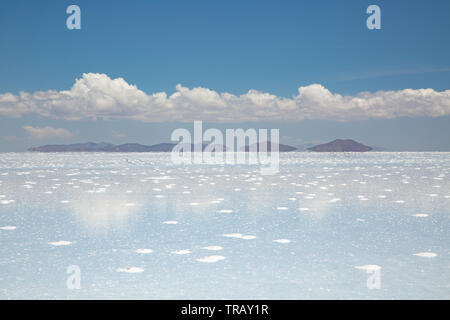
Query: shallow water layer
[[362, 226]]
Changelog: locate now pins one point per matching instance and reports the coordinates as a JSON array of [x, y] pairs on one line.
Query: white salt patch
[[239, 236], [211, 259], [170, 222], [282, 241], [60, 243], [8, 228], [159, 196], [282, 208], [420, 215], [213, 248], [368, 267], [194, 204], [181, 252], [426, 254], [292, 199], [7, 201], [72, 174], [143, 251], [130, 270], [400, 201], [64, 201], [225, 211], [130, 204], [360, 220], [233, 235], [335, 200], [303, 209]]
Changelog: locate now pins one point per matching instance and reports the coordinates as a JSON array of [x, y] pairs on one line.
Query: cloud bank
[[36, 133], [97, 96]]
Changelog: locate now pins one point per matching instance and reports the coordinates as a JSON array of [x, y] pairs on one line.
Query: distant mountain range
[[340, 145], [281, 147], [131, 147], [305, 146], [103, 147], [334, 146]]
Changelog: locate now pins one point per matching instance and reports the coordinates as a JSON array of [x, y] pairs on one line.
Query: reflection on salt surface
[[298, 234], [103, 211]]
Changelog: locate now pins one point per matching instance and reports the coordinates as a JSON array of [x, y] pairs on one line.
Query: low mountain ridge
[[103, 147], [128, 147]]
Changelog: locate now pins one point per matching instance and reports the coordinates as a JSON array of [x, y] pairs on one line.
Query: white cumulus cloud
[[96, 96], [47, 132]]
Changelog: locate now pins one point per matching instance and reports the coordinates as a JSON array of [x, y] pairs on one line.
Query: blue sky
[[229, 46]]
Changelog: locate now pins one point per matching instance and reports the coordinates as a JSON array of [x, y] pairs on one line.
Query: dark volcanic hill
[[340, 145]]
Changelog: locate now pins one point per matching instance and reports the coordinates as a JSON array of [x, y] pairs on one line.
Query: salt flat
[[317, 229]]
